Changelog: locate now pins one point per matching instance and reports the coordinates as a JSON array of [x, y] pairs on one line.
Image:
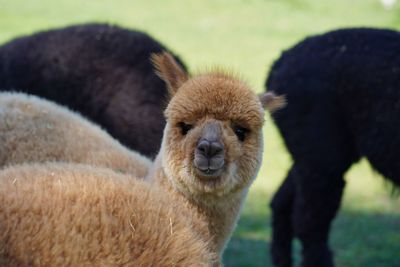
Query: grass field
[[247, 35]]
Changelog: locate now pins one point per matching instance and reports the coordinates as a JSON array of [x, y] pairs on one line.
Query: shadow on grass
[[358, 239], [243, 252], [366, 239]]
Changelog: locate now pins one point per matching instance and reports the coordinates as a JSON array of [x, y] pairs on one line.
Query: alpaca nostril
[[204, 147], [216, 148], [209, 149]]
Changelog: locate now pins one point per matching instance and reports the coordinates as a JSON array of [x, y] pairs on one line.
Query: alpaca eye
[[185, 128], [240, 132]]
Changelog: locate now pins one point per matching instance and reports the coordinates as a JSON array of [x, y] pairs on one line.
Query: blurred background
[[247, 36]]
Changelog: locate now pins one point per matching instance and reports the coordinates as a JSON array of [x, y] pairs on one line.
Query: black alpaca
[[102, 71], [343, 95]]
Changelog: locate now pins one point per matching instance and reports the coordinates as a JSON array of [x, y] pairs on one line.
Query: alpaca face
[[212, 142], [213, 139]]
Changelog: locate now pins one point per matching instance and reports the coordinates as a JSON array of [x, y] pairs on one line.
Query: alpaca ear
[[169, 70], [271, 101]]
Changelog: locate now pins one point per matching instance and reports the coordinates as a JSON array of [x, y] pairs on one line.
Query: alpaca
[[212, 144], [102, 71], [210, 154], [343, 96], [36, 130], [63, 214]]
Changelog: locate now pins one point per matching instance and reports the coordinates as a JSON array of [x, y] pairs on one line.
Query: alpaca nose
[[209, 149], [209, 154]]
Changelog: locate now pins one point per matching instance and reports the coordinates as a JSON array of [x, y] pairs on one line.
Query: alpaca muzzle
[[209, 156]]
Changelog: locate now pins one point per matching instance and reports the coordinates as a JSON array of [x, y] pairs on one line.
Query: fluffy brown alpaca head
[[213, 138]]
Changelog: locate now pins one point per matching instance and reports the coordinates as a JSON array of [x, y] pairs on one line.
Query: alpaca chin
[[216, 186]]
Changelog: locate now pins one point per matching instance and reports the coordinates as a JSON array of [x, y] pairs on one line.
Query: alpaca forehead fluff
[[223, 99], [217, 95]]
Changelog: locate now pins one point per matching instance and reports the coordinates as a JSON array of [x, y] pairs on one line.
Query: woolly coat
[[101, 71], [346, 82], [61, 214], [36, 130]]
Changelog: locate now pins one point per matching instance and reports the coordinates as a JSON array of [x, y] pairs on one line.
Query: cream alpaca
[[36, 130], [63, 214]]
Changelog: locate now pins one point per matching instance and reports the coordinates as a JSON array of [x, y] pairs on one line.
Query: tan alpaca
[[212, 144], [36, 130], [63, 214]]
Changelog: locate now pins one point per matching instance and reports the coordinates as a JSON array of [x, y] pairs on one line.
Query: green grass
[[247, 35]]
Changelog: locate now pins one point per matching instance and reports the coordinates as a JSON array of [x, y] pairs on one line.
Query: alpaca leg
[[282, 232], [322, 147], [317, 199]]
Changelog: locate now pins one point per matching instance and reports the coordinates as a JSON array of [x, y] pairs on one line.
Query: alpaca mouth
[[209, 167], [209, 173]]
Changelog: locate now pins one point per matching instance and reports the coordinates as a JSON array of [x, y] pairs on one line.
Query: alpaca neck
[[219, 212], [221, 215]]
